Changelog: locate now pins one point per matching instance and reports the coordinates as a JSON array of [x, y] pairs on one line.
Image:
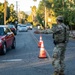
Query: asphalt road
[[24, 59]]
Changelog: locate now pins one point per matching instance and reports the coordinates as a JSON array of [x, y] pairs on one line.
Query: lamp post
[[34, 13], [45, 18], [49, 21], [45, 14], [34, 0]]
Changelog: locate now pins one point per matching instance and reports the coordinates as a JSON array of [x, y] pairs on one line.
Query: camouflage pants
[[58, 57]]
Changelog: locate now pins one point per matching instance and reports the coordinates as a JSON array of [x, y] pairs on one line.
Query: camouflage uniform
[[60, 36]]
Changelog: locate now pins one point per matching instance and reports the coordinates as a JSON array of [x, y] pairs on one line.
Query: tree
[[1, 13], [49, 12], [40, 13], [65, 8], [10, 13], [22, 16]]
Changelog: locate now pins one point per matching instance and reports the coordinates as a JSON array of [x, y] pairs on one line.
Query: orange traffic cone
[[40, 41], [42, 51]]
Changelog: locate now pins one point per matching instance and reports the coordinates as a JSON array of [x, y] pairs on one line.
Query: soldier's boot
[[55, 73]]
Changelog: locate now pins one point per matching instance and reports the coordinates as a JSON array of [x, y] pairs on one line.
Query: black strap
[[64, 33]]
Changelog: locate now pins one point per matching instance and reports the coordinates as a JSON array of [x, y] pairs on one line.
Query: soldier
[[60, 37]]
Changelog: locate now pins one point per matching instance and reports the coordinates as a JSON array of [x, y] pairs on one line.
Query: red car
[[7, 39]]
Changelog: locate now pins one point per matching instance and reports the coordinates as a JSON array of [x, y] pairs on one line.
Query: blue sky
[[23, 5]]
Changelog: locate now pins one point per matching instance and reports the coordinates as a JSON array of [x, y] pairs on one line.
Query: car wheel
[[4, 50], [13, 45], [15, 33], [26, 30]]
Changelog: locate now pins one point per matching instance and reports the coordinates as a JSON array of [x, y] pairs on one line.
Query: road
[[24, 59]]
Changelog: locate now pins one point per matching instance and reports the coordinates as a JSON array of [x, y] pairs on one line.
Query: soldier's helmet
[[60, 18]]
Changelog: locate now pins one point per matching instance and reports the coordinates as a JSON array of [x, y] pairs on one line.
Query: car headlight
[[30, 26]]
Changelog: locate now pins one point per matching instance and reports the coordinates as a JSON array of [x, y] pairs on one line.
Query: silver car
[[29, 26], [22, 28]]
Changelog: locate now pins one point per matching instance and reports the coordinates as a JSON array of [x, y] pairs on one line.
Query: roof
[[3, 26]]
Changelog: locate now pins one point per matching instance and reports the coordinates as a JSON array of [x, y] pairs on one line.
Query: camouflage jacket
[[60, 33]]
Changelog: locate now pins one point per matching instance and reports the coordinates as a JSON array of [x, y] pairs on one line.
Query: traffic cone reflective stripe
[[39, 43], [42, 53]]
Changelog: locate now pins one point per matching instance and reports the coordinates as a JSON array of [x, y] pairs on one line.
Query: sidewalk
[[72, 34], [48, 31], [39, 31]]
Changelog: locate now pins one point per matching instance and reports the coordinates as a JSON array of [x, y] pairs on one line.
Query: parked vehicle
[[22, 28], [13, 29], [18, 26], [29, 26], [7, 39]]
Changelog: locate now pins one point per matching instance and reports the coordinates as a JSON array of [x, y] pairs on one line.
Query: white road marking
[[12, 60]]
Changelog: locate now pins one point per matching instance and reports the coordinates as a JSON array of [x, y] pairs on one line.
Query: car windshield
[[11, 26], [28, 24], [22, 26], [1, 31]]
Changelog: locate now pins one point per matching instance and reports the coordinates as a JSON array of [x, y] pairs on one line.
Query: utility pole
[[17, 8], [16, 22], [5, 12]]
